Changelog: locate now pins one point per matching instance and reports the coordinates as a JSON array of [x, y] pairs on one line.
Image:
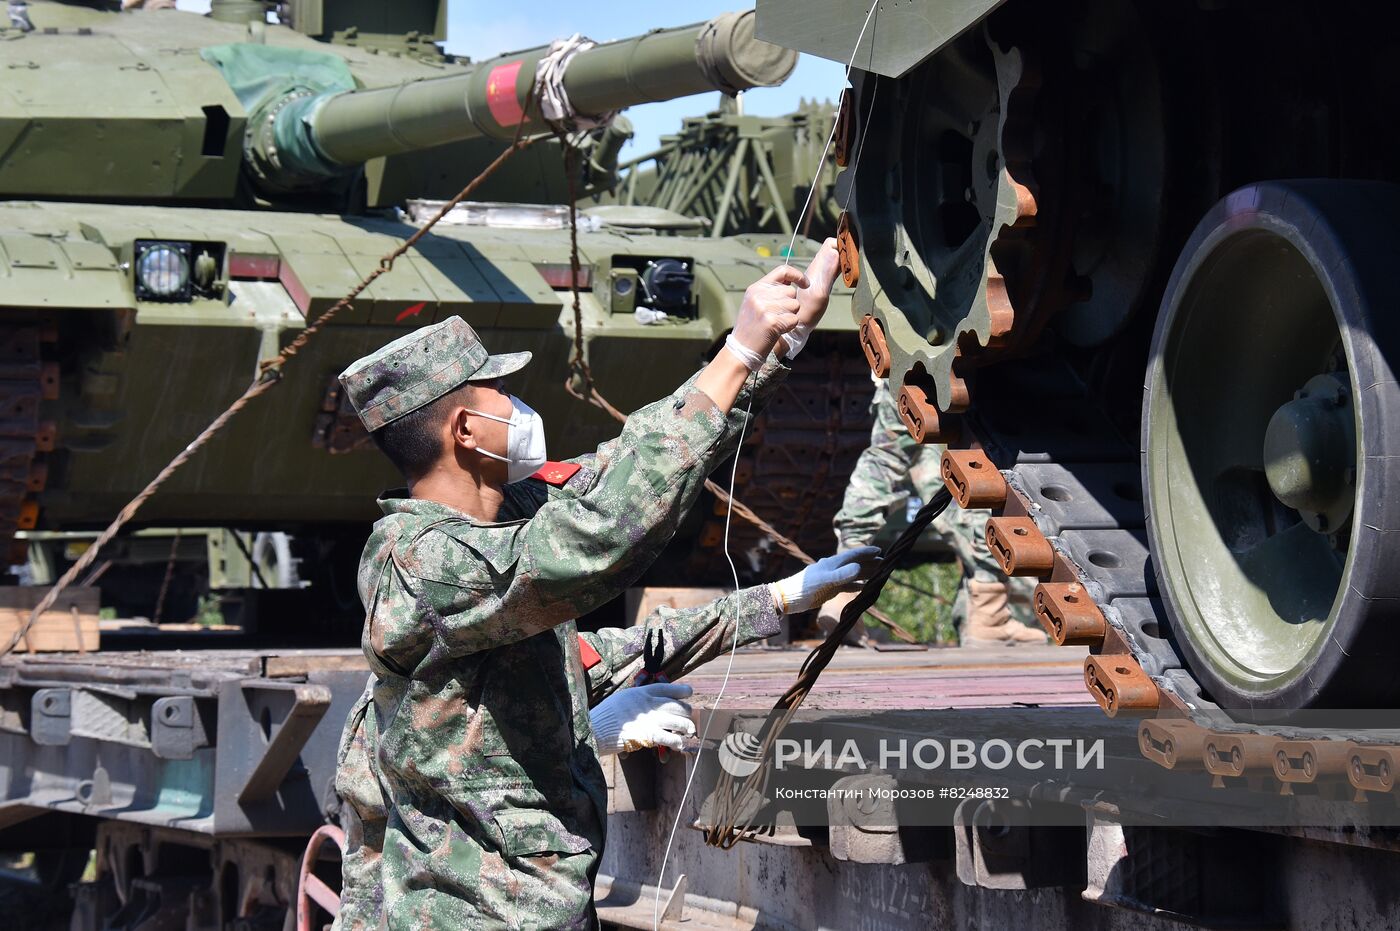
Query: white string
[[733, 473], [821, 162], [733, 648]]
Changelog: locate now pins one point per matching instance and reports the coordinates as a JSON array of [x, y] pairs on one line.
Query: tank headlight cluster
[[163, 271]]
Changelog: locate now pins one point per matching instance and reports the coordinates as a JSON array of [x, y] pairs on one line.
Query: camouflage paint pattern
[[892, 468], [474, 796]]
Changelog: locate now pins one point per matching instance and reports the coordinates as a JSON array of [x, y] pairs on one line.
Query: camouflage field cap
[[419, 368]]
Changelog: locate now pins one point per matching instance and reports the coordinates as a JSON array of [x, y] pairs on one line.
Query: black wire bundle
[[733, 793]]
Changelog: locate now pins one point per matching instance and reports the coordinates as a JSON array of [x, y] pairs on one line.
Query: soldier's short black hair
[[413, 442]]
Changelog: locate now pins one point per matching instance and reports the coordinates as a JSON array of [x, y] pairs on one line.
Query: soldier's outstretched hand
[[821, 276], [813, 299], [826, 577], [770, 309]]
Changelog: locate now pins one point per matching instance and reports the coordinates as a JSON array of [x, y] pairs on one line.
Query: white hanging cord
[[733, 473], [860, 146]]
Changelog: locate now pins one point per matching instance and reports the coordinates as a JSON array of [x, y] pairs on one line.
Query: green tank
[[179, 197], [1057, 204], [183, 193]]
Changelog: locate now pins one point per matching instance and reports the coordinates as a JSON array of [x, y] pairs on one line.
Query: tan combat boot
[[989, 621]]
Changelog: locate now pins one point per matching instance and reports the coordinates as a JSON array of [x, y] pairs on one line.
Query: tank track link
[[1064, 489], [26, 382]]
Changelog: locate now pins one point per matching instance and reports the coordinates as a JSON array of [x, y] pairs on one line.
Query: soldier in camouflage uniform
[[989, 608], [469, 771]]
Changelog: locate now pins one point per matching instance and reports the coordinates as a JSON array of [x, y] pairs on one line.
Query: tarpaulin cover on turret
[[261, 75]]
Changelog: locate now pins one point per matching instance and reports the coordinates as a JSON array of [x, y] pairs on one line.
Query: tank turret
[[196, 110]]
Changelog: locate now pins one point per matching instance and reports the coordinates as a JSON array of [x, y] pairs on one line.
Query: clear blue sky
[[486, 29]]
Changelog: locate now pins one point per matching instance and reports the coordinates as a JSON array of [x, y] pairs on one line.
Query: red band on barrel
[[500, 94]]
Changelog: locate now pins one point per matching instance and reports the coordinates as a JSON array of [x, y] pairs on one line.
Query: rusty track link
[[26, 381], [1076, 493]]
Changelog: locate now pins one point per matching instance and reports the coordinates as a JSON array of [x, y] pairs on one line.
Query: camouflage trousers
[[550, 890], [894, 467], [363, 816]]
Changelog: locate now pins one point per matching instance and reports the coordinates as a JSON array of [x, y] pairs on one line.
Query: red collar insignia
[[586, 653], [557, 473]]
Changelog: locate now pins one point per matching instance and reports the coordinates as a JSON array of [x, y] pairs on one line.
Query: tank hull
[[141, 378], [1025, 180]]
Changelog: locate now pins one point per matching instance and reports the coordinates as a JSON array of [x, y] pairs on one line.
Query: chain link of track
[[26, 381], [1070, 513]]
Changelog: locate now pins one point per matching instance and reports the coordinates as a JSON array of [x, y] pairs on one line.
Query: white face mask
[[525, 452]]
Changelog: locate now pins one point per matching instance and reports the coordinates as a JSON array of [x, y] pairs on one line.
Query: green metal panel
[[143, 135], [373, 17], [41, 272], [901, 34], [308, 16], [459, 287]]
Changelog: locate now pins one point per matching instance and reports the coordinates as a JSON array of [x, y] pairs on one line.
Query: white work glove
[[821, 275], [643, 716], [769, 310], [823, 579]]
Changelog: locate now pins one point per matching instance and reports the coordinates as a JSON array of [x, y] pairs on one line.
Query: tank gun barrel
[[308, 138]]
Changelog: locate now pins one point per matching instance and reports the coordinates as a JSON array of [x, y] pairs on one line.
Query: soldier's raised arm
[[436, 405], [490, 585]]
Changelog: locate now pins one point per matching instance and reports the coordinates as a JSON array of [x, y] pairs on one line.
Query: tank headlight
[[163, 271]]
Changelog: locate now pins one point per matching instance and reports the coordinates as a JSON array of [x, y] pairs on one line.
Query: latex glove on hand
[[813, 299], [643, 716], [769, 310], [824, 578]]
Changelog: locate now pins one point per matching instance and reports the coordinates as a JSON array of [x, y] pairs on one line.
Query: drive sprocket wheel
[[1009, 180], [1270, 448]]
